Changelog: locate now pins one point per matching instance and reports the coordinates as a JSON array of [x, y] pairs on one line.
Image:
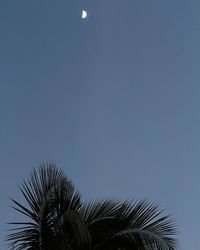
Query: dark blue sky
[[113, 100]]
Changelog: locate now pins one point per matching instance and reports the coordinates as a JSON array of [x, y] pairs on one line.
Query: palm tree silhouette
[[59, 220]]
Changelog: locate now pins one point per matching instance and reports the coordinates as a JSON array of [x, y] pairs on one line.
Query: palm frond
[[144, 227], [95, 210], [42, 191], [57, 219]]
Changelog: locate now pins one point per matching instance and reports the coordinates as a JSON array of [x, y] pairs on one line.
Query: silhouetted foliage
[[59, 220]]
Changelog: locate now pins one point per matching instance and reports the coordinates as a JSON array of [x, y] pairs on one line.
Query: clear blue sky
[[114, 100]]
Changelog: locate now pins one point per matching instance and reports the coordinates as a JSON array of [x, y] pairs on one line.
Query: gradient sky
[[113, 100]]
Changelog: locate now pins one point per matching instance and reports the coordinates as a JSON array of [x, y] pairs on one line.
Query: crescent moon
[[83, 14]]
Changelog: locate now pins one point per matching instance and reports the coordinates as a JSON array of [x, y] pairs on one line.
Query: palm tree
[[59, 220]]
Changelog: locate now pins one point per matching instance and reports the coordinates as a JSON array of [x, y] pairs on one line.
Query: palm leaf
[[59, 220], [40, 193], [143, 227]]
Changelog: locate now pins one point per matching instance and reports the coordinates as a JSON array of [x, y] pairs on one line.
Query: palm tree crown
[[59, 220]]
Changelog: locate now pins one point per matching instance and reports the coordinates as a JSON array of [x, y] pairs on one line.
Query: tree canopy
[[58, 219]]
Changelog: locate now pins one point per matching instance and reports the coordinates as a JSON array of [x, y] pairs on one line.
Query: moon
[[83, 14]]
